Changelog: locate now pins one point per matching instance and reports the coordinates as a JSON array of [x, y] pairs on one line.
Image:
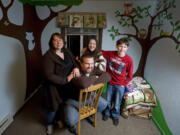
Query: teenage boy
[[120, 67]]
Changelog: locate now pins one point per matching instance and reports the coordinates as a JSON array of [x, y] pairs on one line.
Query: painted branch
[[134, 25], [1, 5], [160, 37], [152, 21], [132, 21], [54, 14], [12, 1]]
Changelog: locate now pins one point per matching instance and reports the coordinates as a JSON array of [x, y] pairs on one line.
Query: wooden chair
[[88, 102]]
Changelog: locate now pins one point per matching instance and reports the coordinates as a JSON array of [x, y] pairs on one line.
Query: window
[[77, 38]]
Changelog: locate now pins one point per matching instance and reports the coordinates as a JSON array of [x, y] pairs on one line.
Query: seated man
[[88, 76]]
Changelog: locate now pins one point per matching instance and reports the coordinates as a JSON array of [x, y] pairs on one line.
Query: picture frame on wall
[[101, 21], [63, 20], [76, 21], [90, 21]]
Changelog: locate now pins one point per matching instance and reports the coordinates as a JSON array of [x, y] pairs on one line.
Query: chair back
[[88, 100]]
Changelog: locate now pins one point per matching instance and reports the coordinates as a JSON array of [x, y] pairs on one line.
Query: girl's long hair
[[93, 53]]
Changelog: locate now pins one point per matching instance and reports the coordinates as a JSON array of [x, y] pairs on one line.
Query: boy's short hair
[[86, 55], [123, 40]]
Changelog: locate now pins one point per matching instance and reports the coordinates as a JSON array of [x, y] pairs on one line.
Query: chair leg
[[79, 127], [95, 119]]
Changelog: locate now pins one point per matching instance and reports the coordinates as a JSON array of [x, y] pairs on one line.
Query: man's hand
[[76, 72]]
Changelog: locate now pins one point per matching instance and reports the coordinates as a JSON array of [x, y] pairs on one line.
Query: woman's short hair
[[51, 40]]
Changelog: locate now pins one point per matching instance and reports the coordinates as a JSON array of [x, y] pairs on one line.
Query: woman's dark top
[[55, 71]]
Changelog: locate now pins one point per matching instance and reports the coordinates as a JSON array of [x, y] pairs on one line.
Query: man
[[88, 76]]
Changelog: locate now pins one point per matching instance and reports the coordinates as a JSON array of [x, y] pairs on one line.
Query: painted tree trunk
[[33, 68], [142, 63]]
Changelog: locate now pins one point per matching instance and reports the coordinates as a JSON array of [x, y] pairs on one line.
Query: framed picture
[[76, 21], [90, 21], [63, 20], [101, 19]]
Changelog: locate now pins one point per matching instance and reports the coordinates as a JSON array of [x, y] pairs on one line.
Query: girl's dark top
[[55, 71]]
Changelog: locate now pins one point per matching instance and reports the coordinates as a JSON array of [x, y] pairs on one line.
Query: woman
[[98, 57], [59, 68]]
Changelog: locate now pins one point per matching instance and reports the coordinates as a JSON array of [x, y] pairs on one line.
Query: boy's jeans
[[50, 116], [115, 92], [72, 112]]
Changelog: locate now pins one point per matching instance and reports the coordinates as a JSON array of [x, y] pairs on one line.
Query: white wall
[[163, 72], [12, 76]]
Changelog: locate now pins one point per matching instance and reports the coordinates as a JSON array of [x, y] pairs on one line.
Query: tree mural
[[132, 16], [32, 24]]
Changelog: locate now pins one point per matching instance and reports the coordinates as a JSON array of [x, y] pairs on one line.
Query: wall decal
[[6, 23], [30, 38], [145, 37], [142, 33], [128, 8]]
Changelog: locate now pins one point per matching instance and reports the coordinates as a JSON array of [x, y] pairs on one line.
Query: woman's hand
[[70, 77], [75, 73]]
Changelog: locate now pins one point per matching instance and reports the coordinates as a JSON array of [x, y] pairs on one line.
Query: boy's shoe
[[115, 122], [105, 117], [124, 115], [49, 129]]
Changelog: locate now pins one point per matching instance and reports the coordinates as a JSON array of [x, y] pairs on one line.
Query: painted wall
[[13, 66], [99, 6], [12, 76], [162, 66], [163, 72]]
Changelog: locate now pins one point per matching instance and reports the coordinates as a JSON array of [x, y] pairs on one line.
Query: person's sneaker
[[49, 129], [73, 130], [105, 117], [115, 122]]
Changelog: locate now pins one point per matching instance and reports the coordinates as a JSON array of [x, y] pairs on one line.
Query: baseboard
[[5, 123], [9, 118]]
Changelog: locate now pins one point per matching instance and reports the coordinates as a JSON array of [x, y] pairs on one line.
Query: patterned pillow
[[143, 97]]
